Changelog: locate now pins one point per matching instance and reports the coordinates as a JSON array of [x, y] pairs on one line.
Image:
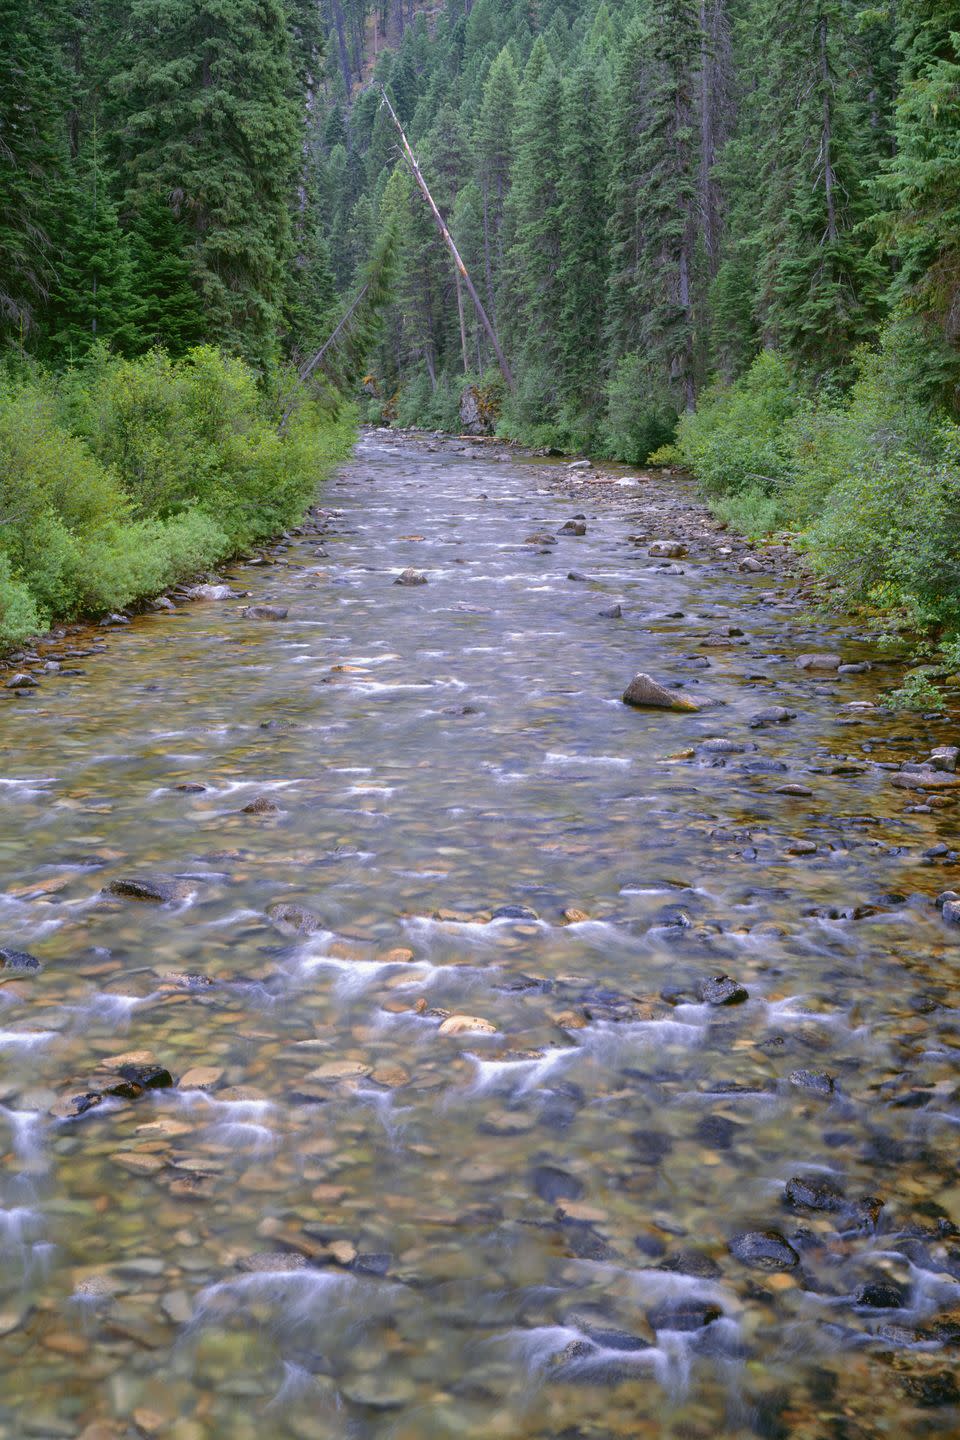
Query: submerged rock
[[814, 1193], [411, 577], [612, 612], [683, 1315], [18, 962], [264, 612], [644, 692], [154, 889], [764, 1250], [772, 715], [573, 527], [819, 661], [294, 918], [466, 1025], [721, 990], [814, 1080], [667, 550], [134, 1079], [262, 805], [880, 1295]]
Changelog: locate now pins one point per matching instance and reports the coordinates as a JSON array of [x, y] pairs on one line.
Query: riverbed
[[495, 1060]]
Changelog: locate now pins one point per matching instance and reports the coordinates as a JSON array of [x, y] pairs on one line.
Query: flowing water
[[341, 1222]]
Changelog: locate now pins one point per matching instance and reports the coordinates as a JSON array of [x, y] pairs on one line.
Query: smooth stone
[[815, 1080], [814, 1193], [880, 1295], [18, 961], [379, 1392], [264, 612], [683, 1315], [210, 592], [411, 577], [924, 780], [577, 575], [553, 1184], [573, 527], [721, 990], [200, 1077], [514, 912], [667, 550], [819, 660], [646, 693], [156, 889], [763, 1250], [772, 715], [296, 919], [612, 612], [692, 1262], [466, 1025], [262, 805]]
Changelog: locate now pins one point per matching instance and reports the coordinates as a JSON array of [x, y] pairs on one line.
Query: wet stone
[[515, 912], [692, 1262], [814, 1193], [721, 990], [18, 962], [553, 1184], [264, 612], [933, 1389], [262, 805], [295, 919], [880, 1295], [772, 715], [764, 1250], [683, 1315], [815, 1081], [153, 889], [134, 1079], [411, 577], [644, 692]]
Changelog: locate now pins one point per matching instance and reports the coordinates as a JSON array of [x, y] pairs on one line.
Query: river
[[613, 1208]]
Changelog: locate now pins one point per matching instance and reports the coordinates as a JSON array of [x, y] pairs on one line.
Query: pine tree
[[653, 202], [921, 186], [211, 117], [168, 308], [92, 299], [494, 148], [532, 298], [582, 271], [819, 289], [32, 154]]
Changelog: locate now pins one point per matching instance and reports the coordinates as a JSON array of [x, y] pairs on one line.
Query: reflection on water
[[401, 805]]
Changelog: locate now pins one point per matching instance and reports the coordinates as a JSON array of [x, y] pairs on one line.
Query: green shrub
[[753, 513], [738, 438], [637, 422], [128, 475]]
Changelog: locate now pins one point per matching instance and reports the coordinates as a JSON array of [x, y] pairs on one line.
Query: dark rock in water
[[880, 1295], [763, 765], [515, 912], [646, 693], [74, 1105], [684, 1315], [717, 1131], [294, 917], [612, 612], [262, 805], [721, 990], [264, 612], [611, 1005], [156, 889], [650, 1147], [18, 962], [936, 1388], [692, 1262], [191, 788], [819, 661], [371, 1263], [134, 1079], [583, 1243], [720, 745], [815, 1080], [576, 575], [607, 1336], [667, 550], [573, 527], [764, 1250], [814, 1193], [411, 577], [553, 1184], [772, 715], [22, 681]]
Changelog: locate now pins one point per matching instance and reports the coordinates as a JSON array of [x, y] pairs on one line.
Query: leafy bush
[[738, 438], [637, 423], [126, 476], [753, 513]]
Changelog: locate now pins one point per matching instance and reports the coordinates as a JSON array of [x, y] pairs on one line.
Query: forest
[[720, 233]]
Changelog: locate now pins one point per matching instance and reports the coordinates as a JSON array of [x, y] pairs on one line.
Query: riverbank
[[378, 986], [123, 477]]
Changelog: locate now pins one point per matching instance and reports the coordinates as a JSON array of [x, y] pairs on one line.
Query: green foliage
[[635, 425], [129, 475], [918, 692], [754, 513], [736, 440]]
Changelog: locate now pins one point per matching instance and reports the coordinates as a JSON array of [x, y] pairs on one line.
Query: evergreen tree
[[582, 271], [921, 186], [93, 297], [653, 202], [494, 148], [819, 289], [211, 117], [168, 309], [32, 154]]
